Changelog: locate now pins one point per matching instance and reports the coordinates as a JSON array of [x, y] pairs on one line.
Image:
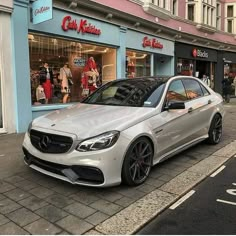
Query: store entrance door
[[203, 68], [1, 107]]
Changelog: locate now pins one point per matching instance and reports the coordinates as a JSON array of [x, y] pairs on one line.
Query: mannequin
[[40, 95], [46, 79], [90, 69], [65, 73]]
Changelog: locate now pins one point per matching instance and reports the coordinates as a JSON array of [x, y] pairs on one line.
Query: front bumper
[[96, 168]]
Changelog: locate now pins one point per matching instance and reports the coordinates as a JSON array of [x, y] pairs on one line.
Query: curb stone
[[136, 215]]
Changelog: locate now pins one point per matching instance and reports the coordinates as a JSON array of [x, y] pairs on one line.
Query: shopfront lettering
[[41, 10], [153, 43], [83, 26], [199, 53]]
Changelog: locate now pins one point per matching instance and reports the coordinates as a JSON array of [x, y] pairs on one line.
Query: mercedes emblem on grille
[[44, 142]]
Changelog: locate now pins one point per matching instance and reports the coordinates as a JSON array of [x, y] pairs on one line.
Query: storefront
[[196, 61], [7, 111], [67, 47], [67, 42], [147, 55], [227, 68]]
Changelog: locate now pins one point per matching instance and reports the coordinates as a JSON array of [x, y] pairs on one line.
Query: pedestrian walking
[[226, 85], [206, 80]]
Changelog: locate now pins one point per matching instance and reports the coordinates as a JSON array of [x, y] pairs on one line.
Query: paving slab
[[74, 225], [51, 213], [42, 226], [23, 216], [12, 229]]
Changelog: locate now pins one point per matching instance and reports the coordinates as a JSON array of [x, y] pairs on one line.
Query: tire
[[137, 163], [215, 131]]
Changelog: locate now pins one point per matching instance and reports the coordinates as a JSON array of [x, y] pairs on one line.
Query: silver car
[[124, 128]]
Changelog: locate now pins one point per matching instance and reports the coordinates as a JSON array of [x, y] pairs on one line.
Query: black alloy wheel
[[138, 161], [215, 131]]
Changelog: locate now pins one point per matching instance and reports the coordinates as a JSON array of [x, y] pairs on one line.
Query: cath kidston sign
[[41, 11]]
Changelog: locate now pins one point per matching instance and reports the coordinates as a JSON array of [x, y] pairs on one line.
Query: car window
[[136, 92], [154, 98], [176, 92], [193, 88], [204, 90]]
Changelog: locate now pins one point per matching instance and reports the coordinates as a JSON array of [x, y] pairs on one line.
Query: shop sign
[[82, 27], [41, 11], [199, 53], [153, 43], [80, 62]]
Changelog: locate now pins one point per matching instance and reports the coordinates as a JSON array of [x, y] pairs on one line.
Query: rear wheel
[[215, 131], [138, 161]]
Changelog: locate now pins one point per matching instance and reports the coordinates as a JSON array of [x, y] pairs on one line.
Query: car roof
[[162, 79]]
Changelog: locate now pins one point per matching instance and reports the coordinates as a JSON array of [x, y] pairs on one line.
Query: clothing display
[[40, 95], [65, 73], [90, 70], [46, 79]]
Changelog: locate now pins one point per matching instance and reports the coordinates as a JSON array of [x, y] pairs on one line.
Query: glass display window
[[185, 67], [63, 71], [137, 64]]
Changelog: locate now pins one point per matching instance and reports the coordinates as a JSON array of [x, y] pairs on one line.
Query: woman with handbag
[[66, 81]]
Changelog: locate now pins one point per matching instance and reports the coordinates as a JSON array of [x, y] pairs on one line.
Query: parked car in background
[[124, 128]]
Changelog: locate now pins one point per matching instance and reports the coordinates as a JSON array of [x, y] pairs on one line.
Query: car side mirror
[[174, 106]]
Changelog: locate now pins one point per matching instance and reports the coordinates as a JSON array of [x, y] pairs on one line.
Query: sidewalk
[[32, 203]]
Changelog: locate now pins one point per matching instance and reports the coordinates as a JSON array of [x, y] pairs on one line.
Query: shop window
[[88, 66], [185, 67], [137, 64]]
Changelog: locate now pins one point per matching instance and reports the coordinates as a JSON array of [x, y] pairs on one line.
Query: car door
[[172, 126], [199, 106]]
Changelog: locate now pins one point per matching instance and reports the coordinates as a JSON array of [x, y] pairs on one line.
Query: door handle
[[190, 110]]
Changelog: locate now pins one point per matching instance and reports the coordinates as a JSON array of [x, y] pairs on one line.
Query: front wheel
[[215, 131], [137, 163]]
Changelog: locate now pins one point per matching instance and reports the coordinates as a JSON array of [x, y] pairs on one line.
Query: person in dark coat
[[226, 85]]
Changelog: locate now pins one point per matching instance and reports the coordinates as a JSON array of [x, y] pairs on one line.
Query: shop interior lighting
[[138, 57]]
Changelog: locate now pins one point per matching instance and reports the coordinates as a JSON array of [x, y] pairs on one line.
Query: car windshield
[[145, 92]]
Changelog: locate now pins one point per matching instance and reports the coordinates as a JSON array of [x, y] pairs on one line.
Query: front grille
[[85, 173], [50, 143]]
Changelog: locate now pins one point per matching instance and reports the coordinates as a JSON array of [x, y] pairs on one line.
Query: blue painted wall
[[21, 65]]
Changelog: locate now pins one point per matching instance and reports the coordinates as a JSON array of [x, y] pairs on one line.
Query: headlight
[[99, 142], [29, 127]]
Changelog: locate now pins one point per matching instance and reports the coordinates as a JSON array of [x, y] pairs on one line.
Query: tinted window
[[176, 92], [193, 89], [204, 90], [132, 92]]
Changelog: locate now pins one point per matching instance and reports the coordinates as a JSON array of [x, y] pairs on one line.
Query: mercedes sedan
[[122, 129]]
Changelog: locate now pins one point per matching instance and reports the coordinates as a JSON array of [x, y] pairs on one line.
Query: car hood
[[86, 120]]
